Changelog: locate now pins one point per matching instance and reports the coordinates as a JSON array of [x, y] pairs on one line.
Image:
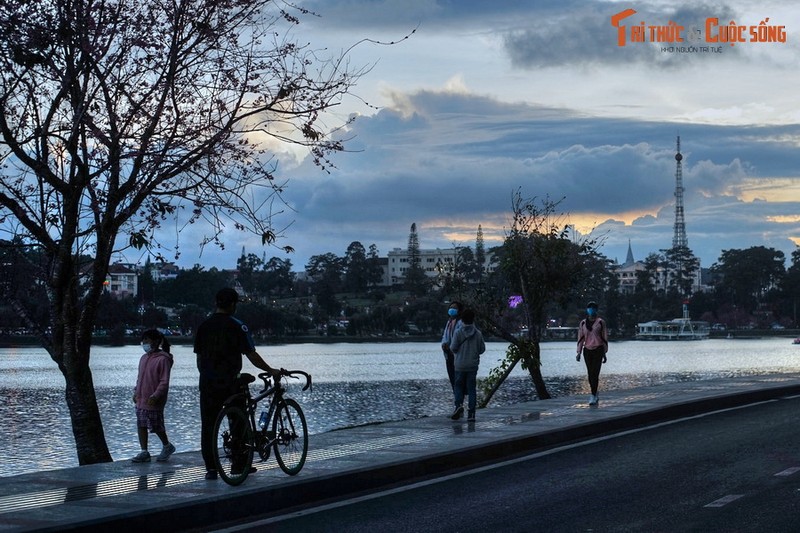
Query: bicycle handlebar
[[294, 374]]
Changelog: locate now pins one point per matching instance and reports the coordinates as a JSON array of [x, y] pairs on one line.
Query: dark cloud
[[454, 159], [585, 36], [450, 160]]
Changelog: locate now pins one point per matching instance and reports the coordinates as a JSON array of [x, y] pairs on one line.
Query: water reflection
[[373, 384]]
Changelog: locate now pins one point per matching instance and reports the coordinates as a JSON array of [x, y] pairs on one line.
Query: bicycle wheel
[[291, 436], [233, 445]]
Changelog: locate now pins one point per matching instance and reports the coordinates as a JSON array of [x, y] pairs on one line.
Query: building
[[164, 271], [627, 273], [122, 280], [433, 262]]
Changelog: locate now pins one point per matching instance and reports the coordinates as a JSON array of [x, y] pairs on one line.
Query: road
[[731, 471]]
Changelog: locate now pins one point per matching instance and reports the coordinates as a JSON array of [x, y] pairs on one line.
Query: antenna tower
[[679, 239]]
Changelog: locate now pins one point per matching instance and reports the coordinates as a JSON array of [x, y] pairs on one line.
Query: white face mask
[[147, 347]]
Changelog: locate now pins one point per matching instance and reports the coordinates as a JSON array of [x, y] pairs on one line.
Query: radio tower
[[679, 239]]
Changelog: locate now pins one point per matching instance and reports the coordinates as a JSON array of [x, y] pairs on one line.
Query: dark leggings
[[594, 360], [449, 363]]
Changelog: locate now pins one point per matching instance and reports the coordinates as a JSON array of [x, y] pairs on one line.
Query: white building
[[122, 280], [627, 275], [432, 261]]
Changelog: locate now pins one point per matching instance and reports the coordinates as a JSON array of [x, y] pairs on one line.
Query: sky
[[485, 98]]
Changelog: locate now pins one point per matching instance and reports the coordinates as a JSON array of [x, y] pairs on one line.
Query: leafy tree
[[116, 311], [194, 286], [748, 275], [325, 271], [116, 115], [249, 267], [416, 281], [465, 266], [278, 279], [791, 284], [356, 266], [374, 268], [154, 317], [22, 269], [683, 265], [191, 316]]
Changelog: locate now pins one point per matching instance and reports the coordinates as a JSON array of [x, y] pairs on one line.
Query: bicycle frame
[[263, 440]]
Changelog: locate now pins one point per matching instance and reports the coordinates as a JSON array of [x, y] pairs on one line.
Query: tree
[[118, 115], [325, 271], [416, 281], [791, 283], [278, 277], [465, 266], [683, 265], [539, 265], [249, 268], [747, 275], [480, 254], [147, 284], [356, 277], [194, 286], [374, 268]]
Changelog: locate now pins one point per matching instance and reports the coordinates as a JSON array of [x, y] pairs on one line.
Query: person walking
[[150, 394], [219, 344], [593, 342], [467, 346], [453, 324]]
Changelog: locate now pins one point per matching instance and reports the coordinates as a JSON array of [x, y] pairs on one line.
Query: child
[[467, 345], [150, 396]]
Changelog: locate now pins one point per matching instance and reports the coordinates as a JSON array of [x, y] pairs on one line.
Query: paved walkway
[[173, 496]]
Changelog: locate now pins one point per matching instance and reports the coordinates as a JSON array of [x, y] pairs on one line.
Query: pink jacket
[[153, 380], [593, 338]]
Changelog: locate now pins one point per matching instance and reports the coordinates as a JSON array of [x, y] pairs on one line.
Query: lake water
[[353, 384]]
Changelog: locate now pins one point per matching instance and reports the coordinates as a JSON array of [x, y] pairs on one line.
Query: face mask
[[591, 311], [147, 347], [452, 312]]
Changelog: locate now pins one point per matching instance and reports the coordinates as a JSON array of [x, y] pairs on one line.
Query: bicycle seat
[[245, 379]]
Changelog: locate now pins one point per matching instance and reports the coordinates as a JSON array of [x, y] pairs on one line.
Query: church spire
[[629, 260]]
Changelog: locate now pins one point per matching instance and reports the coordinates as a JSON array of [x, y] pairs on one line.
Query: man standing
[[219, 344]]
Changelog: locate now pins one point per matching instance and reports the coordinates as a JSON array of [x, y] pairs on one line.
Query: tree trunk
[[486, 399], [532, 358], [87, 426], [73, 310]]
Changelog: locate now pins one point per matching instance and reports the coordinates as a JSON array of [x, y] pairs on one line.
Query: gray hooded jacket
[[468, 346]]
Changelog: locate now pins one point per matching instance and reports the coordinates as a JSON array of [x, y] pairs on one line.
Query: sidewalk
[[175, 496]]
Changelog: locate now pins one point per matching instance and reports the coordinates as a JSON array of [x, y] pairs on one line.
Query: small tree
[[480, 254], [416, 281], [539, 264], [116, 115]]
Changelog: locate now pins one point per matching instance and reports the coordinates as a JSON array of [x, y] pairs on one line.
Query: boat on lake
[[677, 329]]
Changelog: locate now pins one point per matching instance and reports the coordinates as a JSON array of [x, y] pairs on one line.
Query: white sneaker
[[593, 400]]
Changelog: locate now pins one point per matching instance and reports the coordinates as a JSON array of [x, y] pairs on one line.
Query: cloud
[[490, 97], [450, 161]]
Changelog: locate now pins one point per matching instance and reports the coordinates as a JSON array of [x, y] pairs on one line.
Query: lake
[[354, 384]]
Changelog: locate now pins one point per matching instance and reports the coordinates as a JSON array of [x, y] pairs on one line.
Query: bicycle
[[237, 437]]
